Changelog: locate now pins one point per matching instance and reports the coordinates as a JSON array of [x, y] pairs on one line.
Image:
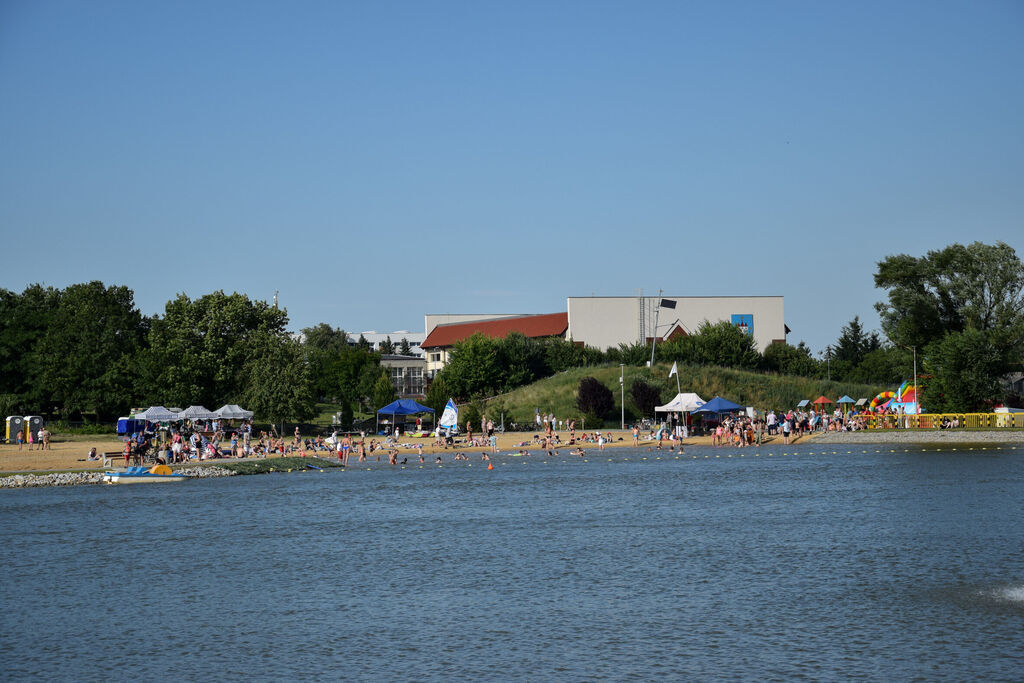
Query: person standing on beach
[[469, 432], [45, 434], [21, 439]]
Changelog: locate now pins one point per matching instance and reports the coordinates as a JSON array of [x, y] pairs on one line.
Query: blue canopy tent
[[719, 405], [403, 406]]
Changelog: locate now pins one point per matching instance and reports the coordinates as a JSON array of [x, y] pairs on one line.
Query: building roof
[[545, 325]]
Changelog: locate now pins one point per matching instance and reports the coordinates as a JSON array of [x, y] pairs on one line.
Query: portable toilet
[[33, 423], [15, 424]]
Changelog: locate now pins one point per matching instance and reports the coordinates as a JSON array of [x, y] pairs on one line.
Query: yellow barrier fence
[[948, 421]]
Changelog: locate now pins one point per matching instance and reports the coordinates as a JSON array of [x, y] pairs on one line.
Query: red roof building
[[443, 337]]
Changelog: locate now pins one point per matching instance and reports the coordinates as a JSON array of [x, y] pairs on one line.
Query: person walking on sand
[[636, 435], [21, 439]]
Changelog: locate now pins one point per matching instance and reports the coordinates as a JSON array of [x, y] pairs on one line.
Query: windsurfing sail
[[450, 416]]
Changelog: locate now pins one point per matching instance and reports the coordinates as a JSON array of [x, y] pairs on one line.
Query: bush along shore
[[228, 469]]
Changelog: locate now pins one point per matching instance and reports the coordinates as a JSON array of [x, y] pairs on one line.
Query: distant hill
[[761, 390]]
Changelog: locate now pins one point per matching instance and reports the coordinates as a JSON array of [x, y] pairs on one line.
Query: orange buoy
[[490, 466]]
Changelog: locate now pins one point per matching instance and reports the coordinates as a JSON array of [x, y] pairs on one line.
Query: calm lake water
[[820, 563]]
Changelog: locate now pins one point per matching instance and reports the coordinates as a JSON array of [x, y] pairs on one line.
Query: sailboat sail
[[450, 416]]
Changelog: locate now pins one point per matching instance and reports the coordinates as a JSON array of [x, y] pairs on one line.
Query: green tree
[[276, 384], [726, 345], [979, 286], [387, 346], [383, 391], [437, 394], [83, 360], [24, 319], [473, 368], [787, 359], [965, 368], [325, 347], [199, 350], [854, 343], [404, 348], [887, 365], [951, 298], [521, 359]]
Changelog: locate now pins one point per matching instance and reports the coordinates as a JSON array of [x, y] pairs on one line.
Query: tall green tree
[[787, 359], [854, 343], [437, 394], [24, 320], [979, 286], [957, 303], [84, 359], [200, 348], [383, 391], [275, 380], [473, 368]]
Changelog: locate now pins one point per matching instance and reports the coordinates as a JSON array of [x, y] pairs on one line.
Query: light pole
[[917, 399], [622, 394]]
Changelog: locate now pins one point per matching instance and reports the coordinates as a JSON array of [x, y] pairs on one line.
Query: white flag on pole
[[674, 371]]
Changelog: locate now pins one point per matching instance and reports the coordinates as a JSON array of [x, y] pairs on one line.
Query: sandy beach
[[69, 453]]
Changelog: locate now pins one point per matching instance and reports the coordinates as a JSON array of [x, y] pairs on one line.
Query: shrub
[[594, 399]]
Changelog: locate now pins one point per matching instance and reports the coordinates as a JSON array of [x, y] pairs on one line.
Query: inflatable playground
[[903, 401]]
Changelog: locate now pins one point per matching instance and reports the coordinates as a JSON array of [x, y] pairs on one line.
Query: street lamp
[[622, 394]]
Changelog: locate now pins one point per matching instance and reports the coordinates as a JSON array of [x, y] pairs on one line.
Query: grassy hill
[[762, 390]]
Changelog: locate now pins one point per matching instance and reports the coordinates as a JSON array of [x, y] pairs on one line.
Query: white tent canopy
[[156, 414], [233, 412], [682, 403], [196, 413]]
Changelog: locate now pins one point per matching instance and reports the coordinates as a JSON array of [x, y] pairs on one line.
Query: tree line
[[959, 310], [86, 352]]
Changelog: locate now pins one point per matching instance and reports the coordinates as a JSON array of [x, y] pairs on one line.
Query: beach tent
[[719, 405], [233, 412], [156, 414], [403, 406], [196, 413], [682, 403]]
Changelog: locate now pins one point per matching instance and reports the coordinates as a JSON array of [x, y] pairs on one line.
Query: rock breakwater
[[21, 481]]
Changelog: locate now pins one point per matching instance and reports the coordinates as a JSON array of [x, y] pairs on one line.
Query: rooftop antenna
[[275, 298]]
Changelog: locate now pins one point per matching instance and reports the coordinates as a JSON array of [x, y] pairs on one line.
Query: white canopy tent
[[196, 413], [682, 403], [156, 414], [233, 412]]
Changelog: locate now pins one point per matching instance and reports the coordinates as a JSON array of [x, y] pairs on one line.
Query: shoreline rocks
[[22, 481]]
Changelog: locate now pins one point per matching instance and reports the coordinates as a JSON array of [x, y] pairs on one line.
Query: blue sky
[[376, 161]]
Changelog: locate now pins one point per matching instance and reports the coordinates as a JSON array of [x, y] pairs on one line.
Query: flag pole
[[654, 340]]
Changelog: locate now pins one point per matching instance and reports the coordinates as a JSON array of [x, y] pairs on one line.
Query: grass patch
[[268, 465], [761, 390]]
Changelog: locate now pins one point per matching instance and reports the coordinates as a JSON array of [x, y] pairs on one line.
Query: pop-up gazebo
[[403, 406]]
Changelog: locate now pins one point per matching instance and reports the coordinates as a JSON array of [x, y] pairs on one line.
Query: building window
[[435, 358]]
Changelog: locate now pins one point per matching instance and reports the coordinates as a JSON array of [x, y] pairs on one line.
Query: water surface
[[825, 563]]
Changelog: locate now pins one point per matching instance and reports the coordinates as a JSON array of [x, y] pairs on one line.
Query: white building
[[607, 321]]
